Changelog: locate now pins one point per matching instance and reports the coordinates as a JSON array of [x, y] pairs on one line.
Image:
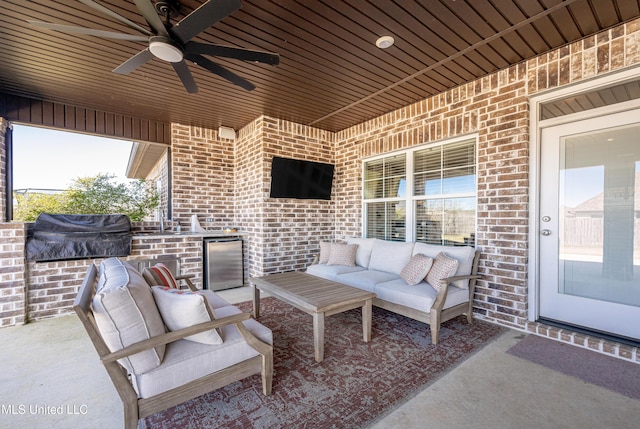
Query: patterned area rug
[[356, 384]]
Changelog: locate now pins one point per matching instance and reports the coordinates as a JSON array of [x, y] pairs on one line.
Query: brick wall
[[283, 233], [202, 176], [52, 286], [496, 109], [251, 186], [12, 275], [159, 173]]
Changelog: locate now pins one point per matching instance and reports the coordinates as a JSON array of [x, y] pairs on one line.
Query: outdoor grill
[[56, 237]]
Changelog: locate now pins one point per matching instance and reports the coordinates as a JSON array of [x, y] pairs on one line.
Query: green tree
[[27, 207], [99, 194]]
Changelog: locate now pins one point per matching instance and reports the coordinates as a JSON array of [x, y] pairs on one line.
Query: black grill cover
[[57, 237]]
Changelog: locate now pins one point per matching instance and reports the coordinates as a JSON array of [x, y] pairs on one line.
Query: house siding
[[229, 181]]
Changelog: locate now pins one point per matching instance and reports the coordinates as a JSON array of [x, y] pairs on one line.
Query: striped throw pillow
[[159, 275]]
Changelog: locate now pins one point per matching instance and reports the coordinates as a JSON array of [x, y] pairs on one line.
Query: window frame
[[410, 199]]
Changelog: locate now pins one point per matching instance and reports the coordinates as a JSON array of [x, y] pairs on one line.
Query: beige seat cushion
[[186, 361], [126, 313]]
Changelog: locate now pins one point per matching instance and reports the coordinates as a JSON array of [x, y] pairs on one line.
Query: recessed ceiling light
[[384, 42]]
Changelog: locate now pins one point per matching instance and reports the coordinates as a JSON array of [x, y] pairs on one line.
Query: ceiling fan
[[172, 42]]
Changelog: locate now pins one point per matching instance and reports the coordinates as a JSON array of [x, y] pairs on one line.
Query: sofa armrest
[[455, 278], [316, 258], [170, 337], [438, 304]]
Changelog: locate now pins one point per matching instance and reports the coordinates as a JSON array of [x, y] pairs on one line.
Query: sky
[[50, 159]]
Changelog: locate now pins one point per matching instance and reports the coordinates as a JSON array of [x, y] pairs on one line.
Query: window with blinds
[[437, 183], [385, 189]]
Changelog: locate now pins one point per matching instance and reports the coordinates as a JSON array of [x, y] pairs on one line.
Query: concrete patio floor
[[52, 379]]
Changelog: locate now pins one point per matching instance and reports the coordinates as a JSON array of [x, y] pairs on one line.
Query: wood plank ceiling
[[331, 74]]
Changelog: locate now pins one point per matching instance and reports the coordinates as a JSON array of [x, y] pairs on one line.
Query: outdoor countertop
[[205, 234]]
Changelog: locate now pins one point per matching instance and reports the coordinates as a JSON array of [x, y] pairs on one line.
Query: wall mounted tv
[[296, 178]]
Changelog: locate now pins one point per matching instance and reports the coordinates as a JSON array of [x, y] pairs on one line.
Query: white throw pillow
[[180, 309], [416, 269], [442, 268]]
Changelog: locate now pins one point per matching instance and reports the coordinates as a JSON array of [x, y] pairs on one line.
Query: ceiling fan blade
[[220, 71], [89, 31], [230, 52], [204, 17], [149, 13], [183, 72], [115, 16], [134, 62]]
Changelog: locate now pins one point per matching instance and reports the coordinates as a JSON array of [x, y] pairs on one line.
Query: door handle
[[545, 232]]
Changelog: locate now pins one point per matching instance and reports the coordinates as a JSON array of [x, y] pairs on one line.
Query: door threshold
[[591, 332]]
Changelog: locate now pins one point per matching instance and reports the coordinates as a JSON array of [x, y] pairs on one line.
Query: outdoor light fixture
[[165, 49], [227, 133], [384, 42]]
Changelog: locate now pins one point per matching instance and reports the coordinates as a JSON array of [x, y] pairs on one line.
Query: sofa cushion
[[420, 297], [366, 279], [180, 309], [343, 254], [442, 268], [159, 275], [390, 256], [416, 269], [126, 313], [186, 361], [330, 272], [463, 254], [365, 246]]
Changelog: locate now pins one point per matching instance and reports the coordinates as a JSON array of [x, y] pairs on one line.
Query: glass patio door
[[589, 224]]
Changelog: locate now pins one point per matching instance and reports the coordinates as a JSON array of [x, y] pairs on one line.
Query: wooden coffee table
[[315, 296]]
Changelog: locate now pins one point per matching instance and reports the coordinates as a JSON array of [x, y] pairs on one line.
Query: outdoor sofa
[[425, 282]]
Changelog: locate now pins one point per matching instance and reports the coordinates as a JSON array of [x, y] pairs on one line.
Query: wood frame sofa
[[137, 407], [378, 268]]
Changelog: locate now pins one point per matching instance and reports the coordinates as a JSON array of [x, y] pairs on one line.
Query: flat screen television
[[296, 178]]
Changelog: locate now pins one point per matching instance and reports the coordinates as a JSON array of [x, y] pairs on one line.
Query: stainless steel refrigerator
[[223, 263]]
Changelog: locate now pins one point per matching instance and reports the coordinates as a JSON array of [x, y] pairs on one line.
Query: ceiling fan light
[[165, 49]]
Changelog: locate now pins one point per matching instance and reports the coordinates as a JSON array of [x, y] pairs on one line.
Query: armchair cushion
[[160, 275], [186, 361], [125, 313], [181, 309]]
